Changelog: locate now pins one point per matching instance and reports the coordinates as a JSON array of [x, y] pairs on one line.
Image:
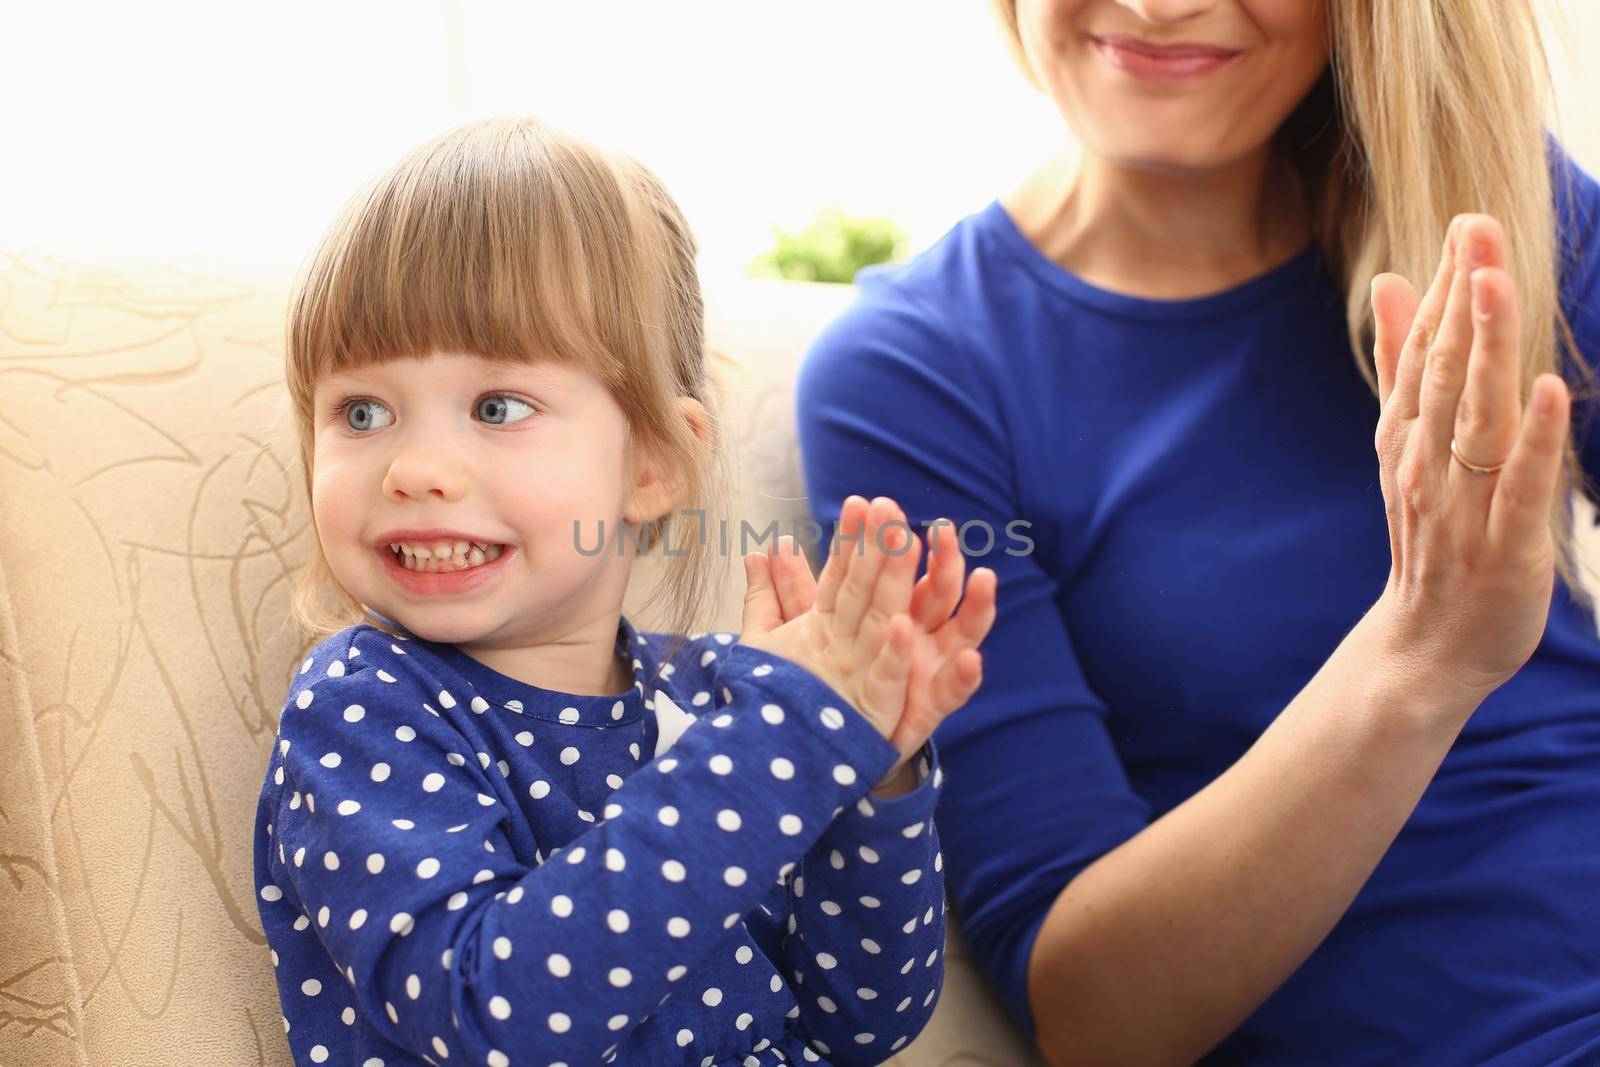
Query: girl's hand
[[857, 636], [1474, 561], [945, 668]]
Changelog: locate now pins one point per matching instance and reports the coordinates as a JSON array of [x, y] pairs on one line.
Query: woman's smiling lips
[[1172, 62]]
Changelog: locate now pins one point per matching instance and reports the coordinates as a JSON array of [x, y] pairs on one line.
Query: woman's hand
[[1474, 561], [943, 666]]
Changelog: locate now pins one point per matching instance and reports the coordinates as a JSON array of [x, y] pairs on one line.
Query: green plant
[[831, 249]]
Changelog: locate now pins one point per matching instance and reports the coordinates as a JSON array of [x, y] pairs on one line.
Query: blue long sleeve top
[[453, 866], [1205, 526]]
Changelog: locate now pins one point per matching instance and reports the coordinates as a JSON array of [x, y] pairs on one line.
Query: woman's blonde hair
[[513, 241], [1429, 110]]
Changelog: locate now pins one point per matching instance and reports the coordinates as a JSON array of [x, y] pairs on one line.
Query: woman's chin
[[1160, 150]]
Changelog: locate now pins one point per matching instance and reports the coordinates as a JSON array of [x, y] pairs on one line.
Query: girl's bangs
[[451, 253]]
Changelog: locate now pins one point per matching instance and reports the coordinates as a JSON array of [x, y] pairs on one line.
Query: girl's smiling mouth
[[443, 566], [444, 556]]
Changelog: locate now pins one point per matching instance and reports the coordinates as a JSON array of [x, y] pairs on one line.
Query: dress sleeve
[[866, 953], [393, 838], [889, 403], [1577, 209]]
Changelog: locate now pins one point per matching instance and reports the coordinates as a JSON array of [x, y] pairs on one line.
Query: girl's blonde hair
[[1429, 110], [513, 241]]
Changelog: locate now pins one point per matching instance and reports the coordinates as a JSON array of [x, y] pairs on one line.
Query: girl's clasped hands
[[896, 646]]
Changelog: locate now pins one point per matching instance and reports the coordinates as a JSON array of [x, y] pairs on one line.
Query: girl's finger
[[938, 590], [1444, 378], [916, 726], [957, 681], [1414, 353], [1519, 514], [856, 593], [1394, 306], [892, 595], [975, 617], [851, 514], [885, 688], [1486, 421], [791, 575], [761, 614]]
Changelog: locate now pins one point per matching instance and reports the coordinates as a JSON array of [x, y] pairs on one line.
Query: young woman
[[1289, 745]]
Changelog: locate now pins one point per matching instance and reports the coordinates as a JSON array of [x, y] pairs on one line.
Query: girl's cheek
[[556, 510], [335, 467], [332, 496]]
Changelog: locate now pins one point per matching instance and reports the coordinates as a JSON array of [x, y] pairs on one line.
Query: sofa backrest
[[150, 518]]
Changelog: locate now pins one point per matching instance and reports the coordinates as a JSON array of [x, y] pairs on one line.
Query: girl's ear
[[658, 483]]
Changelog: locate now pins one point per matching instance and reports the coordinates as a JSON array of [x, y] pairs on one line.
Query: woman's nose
[[1167, 11], [418, 472]]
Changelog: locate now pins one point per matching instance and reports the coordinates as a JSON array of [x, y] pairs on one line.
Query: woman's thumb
[[761, 611]]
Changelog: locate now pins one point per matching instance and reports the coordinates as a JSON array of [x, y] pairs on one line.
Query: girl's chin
[[437, 627]]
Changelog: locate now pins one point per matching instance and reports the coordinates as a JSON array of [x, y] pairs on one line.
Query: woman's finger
[[791, 575], [1486, 420], [761, 613], [1424, 325], [1394, 306], [1479, 243], [851, 514], [1519, 514]]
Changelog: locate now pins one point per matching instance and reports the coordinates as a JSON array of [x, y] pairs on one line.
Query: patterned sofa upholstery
[[149, 522]]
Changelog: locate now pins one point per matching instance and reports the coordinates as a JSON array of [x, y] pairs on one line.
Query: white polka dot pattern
[[693, 909]]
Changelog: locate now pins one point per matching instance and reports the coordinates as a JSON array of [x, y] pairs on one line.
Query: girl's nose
[[1167, 11], [418, 472]]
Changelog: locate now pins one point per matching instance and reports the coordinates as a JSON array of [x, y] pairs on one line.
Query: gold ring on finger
[[1473, 467]]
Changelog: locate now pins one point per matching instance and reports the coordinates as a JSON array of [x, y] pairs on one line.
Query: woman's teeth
[[444, 555]]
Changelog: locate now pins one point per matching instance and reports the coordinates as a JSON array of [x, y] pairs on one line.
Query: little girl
[[500, 825]]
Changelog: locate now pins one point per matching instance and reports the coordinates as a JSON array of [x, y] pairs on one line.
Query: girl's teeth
[[460, 556]]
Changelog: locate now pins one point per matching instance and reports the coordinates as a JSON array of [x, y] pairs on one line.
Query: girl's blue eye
[[499, 408], [362, 414], [358, 414]]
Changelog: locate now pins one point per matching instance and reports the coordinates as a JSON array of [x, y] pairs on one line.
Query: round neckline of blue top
[[524, 698], [1294, 271]]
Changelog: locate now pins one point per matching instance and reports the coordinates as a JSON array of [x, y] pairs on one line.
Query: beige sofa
[[149, 523]]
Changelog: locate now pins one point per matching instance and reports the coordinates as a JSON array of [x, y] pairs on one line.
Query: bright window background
[[235, 132]]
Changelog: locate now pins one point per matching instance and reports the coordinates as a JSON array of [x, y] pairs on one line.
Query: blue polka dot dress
[[454, 867]]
